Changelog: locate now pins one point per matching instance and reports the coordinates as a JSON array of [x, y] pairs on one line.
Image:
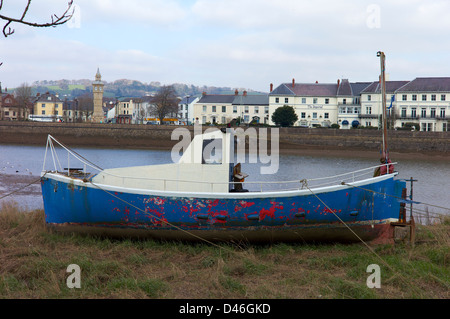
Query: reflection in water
[[432, 186]]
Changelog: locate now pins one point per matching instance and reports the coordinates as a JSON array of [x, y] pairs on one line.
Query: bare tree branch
[[56, 20]]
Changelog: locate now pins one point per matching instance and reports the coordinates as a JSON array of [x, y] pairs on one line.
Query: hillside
[[124, 88]]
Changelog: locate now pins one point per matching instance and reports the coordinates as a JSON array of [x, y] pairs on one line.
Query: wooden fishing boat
[[202, 197]]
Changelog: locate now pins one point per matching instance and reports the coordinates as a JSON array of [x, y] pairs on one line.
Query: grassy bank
[[33, 264]]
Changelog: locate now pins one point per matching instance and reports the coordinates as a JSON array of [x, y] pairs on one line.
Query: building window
[[315, 100], [214, 109], [368, 123], [403, 112], [43, 112], [404, 97], [304, 100], [314, 115], [43, 105], [224, 109], [256, 109], [246, 109], [413, 112], [204, 120], [433, 97], [368, 110], [266, 110], [344, 101], [326, 115], [224, 120], [286, 100], [327, 101], [369, 97], [443, 97], [204, 108], [234, 109], [424, 97], [277, 100], [357, 110], [444, 127], [414, 97], [442, 113], [303, 115], [424, 113], [433, 113]]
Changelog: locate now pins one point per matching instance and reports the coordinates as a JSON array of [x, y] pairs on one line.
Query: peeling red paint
[[270, 212]]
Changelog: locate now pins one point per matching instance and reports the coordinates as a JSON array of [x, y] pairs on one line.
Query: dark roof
[[282, 89], [391, 87], [217, 98], [438, 84], [47, 97], [188, 100], [306, 89], [358, 87], [344, 88], [251, 100]]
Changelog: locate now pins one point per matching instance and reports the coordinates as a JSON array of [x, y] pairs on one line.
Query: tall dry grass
[[19, 224], [33, 264]]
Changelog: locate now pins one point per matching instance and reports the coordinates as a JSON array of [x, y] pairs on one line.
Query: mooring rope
[[160, 219], [396, 197], [19, 189], [304, 182]]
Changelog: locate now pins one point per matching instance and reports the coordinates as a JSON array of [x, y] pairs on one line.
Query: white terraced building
[[423, 101]]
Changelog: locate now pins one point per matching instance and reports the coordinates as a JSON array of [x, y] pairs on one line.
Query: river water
[[21, 165]]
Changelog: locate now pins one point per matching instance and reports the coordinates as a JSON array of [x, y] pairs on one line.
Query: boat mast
[[383, 99]]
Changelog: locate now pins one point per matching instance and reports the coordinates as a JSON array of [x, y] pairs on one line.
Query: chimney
[[245, 93], [317, 82], [271, 87], [339, 81], [293, 82], [236, 92], [204, 93]]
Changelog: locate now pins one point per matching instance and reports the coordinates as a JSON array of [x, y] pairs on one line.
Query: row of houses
[[423, 102]]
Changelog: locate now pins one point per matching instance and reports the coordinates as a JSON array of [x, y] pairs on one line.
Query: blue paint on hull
[[75, 203]]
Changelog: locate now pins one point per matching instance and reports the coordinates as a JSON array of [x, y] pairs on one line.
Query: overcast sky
[[236, 43]]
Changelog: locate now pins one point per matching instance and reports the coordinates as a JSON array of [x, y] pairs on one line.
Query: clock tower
[[97, 89]]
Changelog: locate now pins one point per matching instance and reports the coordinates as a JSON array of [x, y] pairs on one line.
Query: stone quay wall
[[159, 137]]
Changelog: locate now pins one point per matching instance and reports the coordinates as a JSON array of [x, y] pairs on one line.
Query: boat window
[[212, 151]]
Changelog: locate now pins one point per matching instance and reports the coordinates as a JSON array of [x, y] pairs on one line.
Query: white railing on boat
[[297, 184]]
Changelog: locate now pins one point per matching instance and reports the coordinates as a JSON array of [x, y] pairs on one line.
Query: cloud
[[237, 43], [148, 12]]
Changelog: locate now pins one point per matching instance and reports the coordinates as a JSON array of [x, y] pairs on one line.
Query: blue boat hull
[[338, 213]]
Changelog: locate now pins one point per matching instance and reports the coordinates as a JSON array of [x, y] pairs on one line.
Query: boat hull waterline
[[318, 214]]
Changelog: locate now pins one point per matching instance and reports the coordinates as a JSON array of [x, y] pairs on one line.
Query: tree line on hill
[[72, 89]]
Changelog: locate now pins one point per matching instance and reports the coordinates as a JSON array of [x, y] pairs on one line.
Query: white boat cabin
[[205, 166]]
